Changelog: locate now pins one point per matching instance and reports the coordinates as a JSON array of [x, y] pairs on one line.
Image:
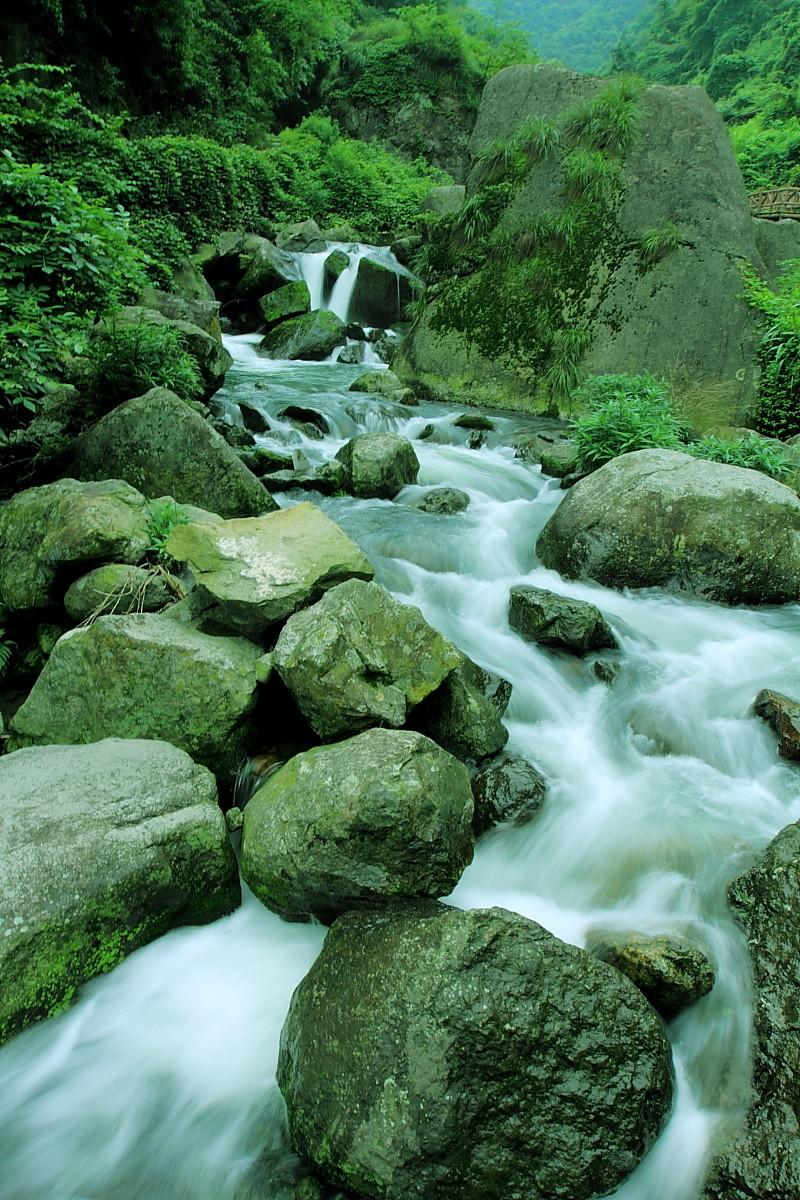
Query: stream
[[159, 1084]]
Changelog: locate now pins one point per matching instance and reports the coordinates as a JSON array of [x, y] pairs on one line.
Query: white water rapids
[[159, 1084]]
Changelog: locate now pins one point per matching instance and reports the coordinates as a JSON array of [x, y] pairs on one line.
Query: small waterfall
[[311, 268]]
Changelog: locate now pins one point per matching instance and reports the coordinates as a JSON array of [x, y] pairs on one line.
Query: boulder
[[260, 267], [302, 237], [256, 572], [558, 621], [477, 421], [330, 479], [405, 248], [117, 588], [559, 459], [762, 1157], [465, 714], [509, 790], [336, 264], [189, 283], [444, 501], [352, 355], [311, 337], [213, 360], [401, 1060], [783, 714], [359, 658], [378, 464], [658, 518], [304, 416], [202, 312], [670, 973], [50, 532], [382, 815], [442, 201], [104, 848], [291, 300], [377, 383], [158, 444], [262, 461], [145, 675], [381, 293]]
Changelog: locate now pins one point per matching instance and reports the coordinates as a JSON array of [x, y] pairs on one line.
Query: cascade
[[160, 1081]]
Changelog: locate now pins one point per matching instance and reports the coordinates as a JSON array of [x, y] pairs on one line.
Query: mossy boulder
[[313, 336], [202, 312], [259, 267], [670, 973], [465, 714], [381, 293], [378, 465], [121, 589], [301, 237], [359, 658], [48, 533], [378, 383], [145, 675], [105, 848], [658, 518], [558, 621], [336, 264], [762, 1156], [213, 360], [383, 815], [291, 300], [256, 572], [507, 790], [439, 1053], [559, 459], [159, 445], [444, 501], [329, 479], [783, 714]]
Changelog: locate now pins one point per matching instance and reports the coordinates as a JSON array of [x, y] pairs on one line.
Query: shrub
[[127, 360], [626, 413], [754, 452], [163, 516], [776, 412], [657, 243]]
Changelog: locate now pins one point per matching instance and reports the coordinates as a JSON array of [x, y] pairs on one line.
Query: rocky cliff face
[[630, 253]]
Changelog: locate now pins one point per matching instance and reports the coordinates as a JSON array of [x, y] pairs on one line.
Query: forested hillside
[[746, 53], [579, 33]]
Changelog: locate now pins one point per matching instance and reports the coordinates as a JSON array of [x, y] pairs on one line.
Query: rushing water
[[159, 1084]]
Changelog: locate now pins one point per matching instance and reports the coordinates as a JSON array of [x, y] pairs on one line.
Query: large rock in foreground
[[383, 815], [145, 676], [657, 518], [378, 465], [258, 571], [162, 446], [104, 848], [359, 658], [763, 1158], [436, 1053], [48, 532]]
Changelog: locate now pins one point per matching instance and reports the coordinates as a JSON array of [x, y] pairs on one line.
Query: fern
[[657, 243]]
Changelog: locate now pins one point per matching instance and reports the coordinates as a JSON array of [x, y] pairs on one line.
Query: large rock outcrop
[[104, 848], [383, 815], [145, 676], [257, 571], [763, 1158], [658, 309], [160, 445], [436, 1053], [658, 518], [48, 532]]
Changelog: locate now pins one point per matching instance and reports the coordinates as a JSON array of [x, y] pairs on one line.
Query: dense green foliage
[[127, 360], [746, 53], [757, 453], [579, 33], [162, 517], [776, 412]]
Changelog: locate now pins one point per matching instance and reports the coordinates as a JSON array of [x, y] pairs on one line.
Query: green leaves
[[776, 412], [626, 413], [753, 451], [128, 360]]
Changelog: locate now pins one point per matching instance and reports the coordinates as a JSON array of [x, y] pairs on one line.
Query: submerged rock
[[122, 589], [558, 621], [256, 572], [359, 658], [670, 973], [159, 445], [145, 676], [762, 1158], [291, 300], [783, 714], [477, 421], [436, 1053], [508, 790], [658, 518], [465, 714], [379, 464], [313, 336], [444, 501], [48, 531], [104, 848], [385, 814]]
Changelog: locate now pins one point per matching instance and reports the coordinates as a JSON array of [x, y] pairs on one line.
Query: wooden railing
[[776, 204]]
